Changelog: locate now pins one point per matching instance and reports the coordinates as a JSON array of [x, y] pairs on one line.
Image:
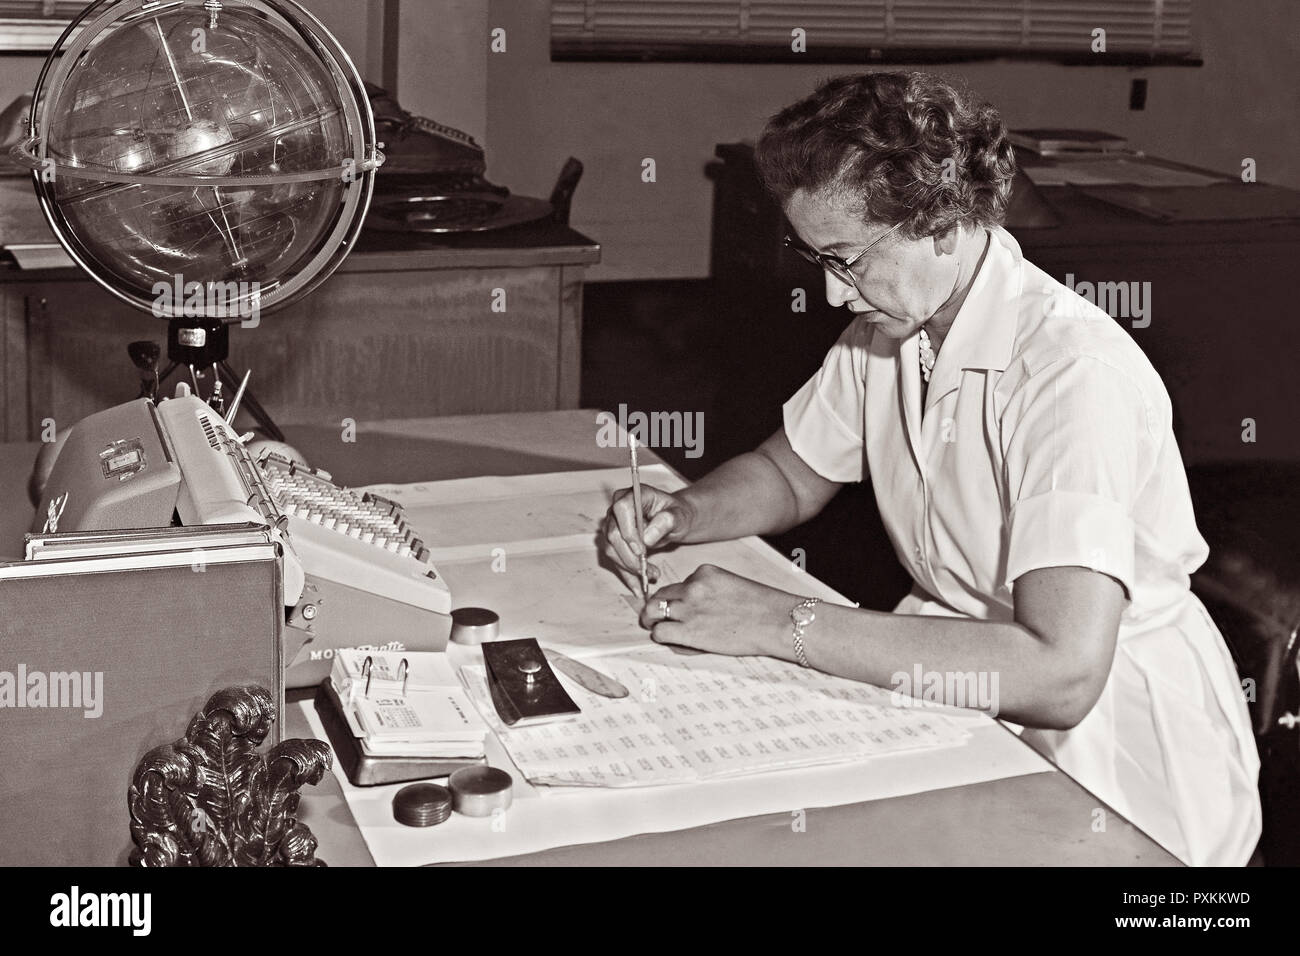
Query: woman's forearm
[[767, 491], [746, 495], [1022, 677]]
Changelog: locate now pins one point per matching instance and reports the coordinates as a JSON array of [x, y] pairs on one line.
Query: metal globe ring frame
[[359, 172]]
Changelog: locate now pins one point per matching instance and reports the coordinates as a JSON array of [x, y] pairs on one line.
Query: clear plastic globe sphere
[[184, 97]]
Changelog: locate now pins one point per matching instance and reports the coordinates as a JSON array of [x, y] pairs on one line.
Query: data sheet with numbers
[[690, 718]]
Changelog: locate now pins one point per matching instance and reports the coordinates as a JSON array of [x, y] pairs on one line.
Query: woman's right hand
[[667, 517]]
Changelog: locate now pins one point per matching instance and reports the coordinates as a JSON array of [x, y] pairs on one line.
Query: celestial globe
[[202, 158]]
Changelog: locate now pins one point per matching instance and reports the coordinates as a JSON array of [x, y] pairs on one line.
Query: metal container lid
[[422, 805], [474, 625], [480, 791]]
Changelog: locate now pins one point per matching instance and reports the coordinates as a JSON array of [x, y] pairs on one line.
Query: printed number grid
[[698, 718]]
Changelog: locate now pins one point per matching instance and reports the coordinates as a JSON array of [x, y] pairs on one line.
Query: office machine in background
[[353, 572], [433, 179]]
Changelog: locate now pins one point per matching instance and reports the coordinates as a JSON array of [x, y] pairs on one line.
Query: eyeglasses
[[840, 268]]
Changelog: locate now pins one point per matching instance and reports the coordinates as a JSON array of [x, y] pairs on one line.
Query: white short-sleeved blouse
[[1046, 441]]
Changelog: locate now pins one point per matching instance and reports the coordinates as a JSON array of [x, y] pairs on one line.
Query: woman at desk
[[1021, 452]]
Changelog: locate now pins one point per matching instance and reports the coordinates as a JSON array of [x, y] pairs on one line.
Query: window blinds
[[1065, 26]]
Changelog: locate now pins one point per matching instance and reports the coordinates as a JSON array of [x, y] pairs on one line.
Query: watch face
[[803, 616]]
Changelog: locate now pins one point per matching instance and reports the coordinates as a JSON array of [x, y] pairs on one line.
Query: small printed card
[[443, 715]]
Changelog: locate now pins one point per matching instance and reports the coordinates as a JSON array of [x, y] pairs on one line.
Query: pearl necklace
[[927, 356]]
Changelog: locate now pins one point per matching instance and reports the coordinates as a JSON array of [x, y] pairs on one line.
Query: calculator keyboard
[[369, 579], [311, 496]]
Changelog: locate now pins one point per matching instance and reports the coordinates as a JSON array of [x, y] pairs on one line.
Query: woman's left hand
[[716, 611]]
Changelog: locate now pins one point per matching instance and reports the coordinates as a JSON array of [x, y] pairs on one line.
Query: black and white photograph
[[746, 434]]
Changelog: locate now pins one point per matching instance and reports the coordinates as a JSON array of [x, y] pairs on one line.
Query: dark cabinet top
[[542, 243]]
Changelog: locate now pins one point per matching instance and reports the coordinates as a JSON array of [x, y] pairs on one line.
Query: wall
[[358, 25], [17, 76], [1243, 102], [442, 64]]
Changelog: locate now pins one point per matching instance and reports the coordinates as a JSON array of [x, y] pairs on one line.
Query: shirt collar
[[983, 335]]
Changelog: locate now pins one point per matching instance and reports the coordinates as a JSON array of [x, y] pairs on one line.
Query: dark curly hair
[[900, 147]]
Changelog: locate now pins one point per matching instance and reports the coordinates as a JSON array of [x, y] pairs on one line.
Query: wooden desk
[[406, 327], [1040, 819]]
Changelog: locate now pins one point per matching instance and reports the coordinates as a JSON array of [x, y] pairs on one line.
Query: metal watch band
[[799, 626], [798, 650]]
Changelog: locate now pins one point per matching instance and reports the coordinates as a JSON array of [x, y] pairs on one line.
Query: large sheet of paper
[[470, 518], [526, 548], [544, 818]]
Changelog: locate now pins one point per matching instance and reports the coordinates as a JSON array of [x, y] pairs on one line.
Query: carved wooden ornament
[[210, 799]]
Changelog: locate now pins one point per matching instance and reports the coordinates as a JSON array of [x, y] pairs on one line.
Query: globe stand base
[[194, 345], [196, 342]]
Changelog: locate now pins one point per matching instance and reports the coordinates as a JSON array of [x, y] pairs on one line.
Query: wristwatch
[[801, 616]]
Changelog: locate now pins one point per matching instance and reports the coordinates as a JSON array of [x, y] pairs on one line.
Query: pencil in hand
[[640, 520]]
